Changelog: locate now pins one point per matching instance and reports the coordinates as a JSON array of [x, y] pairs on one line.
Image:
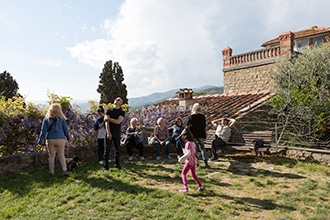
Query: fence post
[[276, 142]]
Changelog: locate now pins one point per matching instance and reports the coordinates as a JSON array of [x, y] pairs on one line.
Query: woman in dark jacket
[[197, 124], [135, 139], [99, 127], [176, 130]]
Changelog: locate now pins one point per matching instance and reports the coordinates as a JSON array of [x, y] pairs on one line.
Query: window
[[300, 44], [317, 41]]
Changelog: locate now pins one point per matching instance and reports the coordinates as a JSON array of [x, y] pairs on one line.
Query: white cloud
[[171, 44]]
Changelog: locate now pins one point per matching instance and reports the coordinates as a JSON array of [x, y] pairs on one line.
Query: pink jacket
[[189, 154]]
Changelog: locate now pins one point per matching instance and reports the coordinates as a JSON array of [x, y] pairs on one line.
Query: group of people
[[54, 133]]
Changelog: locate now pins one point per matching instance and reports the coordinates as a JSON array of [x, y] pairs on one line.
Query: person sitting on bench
[[222, 135]]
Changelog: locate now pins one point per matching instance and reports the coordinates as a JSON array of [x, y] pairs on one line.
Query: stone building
[[251, 71]]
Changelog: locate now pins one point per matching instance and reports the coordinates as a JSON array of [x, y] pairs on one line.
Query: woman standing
[[99, 127], [55, 130], [197, 123]]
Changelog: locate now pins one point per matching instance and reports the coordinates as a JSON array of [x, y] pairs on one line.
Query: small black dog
[[258, 143], [72, 165]]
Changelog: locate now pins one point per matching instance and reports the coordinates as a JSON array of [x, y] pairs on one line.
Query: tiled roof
[[231, 105], [298, 34]]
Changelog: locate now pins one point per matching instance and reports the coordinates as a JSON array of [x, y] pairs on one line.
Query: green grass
[[234, 190]]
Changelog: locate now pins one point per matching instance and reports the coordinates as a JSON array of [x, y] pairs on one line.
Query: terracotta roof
[[231, 105], [299, 34]]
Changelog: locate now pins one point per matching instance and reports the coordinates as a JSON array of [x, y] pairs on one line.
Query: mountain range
[[145, 101]]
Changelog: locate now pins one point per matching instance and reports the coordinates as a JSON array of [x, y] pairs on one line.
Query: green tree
[[302, 100], [111, 83], [8, 86]]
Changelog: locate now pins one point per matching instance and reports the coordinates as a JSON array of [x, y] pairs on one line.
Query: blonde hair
[[160, 120], [132, 121], [55, 109], [196, 109]]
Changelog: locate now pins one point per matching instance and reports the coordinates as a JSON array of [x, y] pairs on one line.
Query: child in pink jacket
[[189, 159]]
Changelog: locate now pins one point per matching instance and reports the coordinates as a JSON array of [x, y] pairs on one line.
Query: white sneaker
[[142, 158], [101, 162], [158, 158], [130, 158]]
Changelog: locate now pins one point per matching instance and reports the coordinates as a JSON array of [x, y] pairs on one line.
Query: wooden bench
[[150, 149], [243, 141]]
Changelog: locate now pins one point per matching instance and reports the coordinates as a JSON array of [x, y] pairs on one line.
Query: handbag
[[123, 140], [151, 140]]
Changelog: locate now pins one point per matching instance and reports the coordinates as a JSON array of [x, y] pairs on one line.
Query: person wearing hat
[[222, 134]]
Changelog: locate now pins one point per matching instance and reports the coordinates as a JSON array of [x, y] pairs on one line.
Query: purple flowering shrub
[[147, 117], [20, 126], [20, 123]]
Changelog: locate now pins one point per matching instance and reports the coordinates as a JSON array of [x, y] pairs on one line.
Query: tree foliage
[[8, 85], [303, 93], [111, 83]]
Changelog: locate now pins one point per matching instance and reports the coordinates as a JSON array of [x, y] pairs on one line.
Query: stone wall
[[25, 162], [249, 79]]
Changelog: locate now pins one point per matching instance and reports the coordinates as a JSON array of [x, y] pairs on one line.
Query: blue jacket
[[59, 130]]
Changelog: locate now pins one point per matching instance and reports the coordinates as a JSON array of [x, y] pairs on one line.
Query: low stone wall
[[309, 156], [27, 162]]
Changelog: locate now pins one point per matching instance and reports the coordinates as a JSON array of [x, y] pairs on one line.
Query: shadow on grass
[[264, 204], [244, 167]]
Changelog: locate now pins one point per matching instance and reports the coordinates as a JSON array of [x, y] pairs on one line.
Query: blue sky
[[61, 46]]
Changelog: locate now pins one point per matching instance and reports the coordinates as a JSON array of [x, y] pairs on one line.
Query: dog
[[73, 164], [258, 143]]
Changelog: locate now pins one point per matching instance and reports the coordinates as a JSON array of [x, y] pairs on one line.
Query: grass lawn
[[236, 188]]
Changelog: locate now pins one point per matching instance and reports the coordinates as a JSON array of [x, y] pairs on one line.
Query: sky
[[61, 46]]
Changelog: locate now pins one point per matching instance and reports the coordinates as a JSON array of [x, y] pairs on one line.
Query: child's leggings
[[192, 169]]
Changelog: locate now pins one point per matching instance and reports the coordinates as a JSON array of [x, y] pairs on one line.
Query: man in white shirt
[[222, 135]]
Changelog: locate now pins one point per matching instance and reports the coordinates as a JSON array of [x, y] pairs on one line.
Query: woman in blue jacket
[[55, 130]]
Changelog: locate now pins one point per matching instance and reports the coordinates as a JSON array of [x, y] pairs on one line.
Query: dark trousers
[[100, 149], [108, 143], [217, 144], [130, 145], [179, 144]]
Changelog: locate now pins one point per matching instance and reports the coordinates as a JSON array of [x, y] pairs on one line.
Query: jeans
[[157, 147], [179, 145], [200, 143], [217, 144], [107, 144]]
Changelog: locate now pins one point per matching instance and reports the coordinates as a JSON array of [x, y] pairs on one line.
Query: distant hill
[[145, 101]]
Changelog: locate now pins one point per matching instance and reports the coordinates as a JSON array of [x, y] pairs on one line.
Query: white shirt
[[223, 132]]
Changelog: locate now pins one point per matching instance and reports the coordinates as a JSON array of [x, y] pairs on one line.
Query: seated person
[[162, 137], [222, 135], [133, 139], [176, 130]]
